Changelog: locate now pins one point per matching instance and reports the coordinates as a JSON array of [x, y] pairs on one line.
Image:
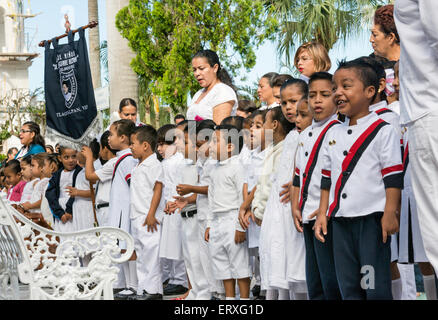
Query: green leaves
[[166, 34]]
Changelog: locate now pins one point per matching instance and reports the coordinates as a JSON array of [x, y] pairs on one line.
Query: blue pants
[[362, 260], [320, 265]]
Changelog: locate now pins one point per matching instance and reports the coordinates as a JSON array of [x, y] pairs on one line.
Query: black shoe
[[124, 294], [215, 298], [146, 296], [256, 291], [260, 298], [165, 283], [115, 291], [174, 289]]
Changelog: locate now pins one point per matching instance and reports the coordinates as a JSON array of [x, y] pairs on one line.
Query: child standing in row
[[320, 268], [120, 200], [26, 171], [60, 202], [15, 179], [227, 244], [146, 212], [364, 151]]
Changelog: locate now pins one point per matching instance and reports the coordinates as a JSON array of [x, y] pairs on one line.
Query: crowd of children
[[308, 197]]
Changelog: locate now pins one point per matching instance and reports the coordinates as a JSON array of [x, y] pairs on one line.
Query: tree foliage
[[166, 34], [325, 21]]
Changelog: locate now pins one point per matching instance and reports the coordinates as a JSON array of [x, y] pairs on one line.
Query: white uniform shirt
[[143, 179], [255, 169], [272, 105], [27, 191], [264, 183], [120, 191], [39, 192], [225, 191], [171, 174], [204, 172], [417, 25], [385, 113], [219, 94], [379, 167], [304, 158], [187, 174], [105, 174]]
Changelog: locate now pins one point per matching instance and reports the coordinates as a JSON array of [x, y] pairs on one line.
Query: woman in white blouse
[[217, 100]]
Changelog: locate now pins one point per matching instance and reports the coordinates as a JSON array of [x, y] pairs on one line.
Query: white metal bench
[[51, 263]]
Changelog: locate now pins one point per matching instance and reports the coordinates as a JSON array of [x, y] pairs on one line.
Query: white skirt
[[411, 247], [171, 243], [83, 216], [281, 250]]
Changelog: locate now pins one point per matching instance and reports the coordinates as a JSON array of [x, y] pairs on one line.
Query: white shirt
[[389, 116], [187, 174], [225, 191], [264, 183], [205, 168], [143, 179], [272, 105], [171, 174], [417, 25], [39, 192], [379, 166], [105, 174], [306, 144], [255, 169], [65, 181], [27, 190], [219, 94]]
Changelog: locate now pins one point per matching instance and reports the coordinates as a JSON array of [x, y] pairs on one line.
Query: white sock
[[271, 294], [396, 286], [429, 287], [283, 294], [244, 298], [230, 298]]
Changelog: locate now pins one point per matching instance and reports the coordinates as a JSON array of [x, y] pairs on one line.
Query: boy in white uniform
[[102, 176], [119, 208], [320, 268], [227, 243], [363, 156], [147, 212]]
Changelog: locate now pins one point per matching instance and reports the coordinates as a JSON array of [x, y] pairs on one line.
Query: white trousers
[[214, 285], [423, 159], [192, 259], [175, 271], [147, 248]]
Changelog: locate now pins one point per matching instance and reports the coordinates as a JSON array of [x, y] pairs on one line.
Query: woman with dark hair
[[384, 36], [217, 100], [265, 93], [31, 139]]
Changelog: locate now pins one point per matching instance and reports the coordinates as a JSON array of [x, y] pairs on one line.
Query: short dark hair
[[259, 113], [269, 76], [12, 150], [95, 148], [379, 69], [105, 144], [322, 75], [179, 116], [235, 121], [13, 165], [365, 72], [278, 115], [162, 132], [26, 160], [278, 80], [247, 106], [127, 102], [124, 127], [301, 84], [206, 127], [62, 148], [148, 134], [229, 139]]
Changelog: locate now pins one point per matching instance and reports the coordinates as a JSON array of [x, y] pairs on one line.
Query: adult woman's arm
[[223, 110]]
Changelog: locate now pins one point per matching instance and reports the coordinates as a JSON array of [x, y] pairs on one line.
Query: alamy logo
[[368, 280]]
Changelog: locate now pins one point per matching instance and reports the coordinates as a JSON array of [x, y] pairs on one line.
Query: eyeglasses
[[24, 131]]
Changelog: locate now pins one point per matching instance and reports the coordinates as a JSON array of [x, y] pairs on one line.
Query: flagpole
[[91, 25]]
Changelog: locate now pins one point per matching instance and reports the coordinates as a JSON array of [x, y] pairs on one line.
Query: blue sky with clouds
[[50, 23]]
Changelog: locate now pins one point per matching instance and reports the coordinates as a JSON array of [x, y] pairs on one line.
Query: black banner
[[70, 104]]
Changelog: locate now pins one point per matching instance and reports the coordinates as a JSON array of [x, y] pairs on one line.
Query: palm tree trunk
[[94, 43], [123, 81]]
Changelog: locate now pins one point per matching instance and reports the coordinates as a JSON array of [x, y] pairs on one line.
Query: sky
[[50, 23]]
